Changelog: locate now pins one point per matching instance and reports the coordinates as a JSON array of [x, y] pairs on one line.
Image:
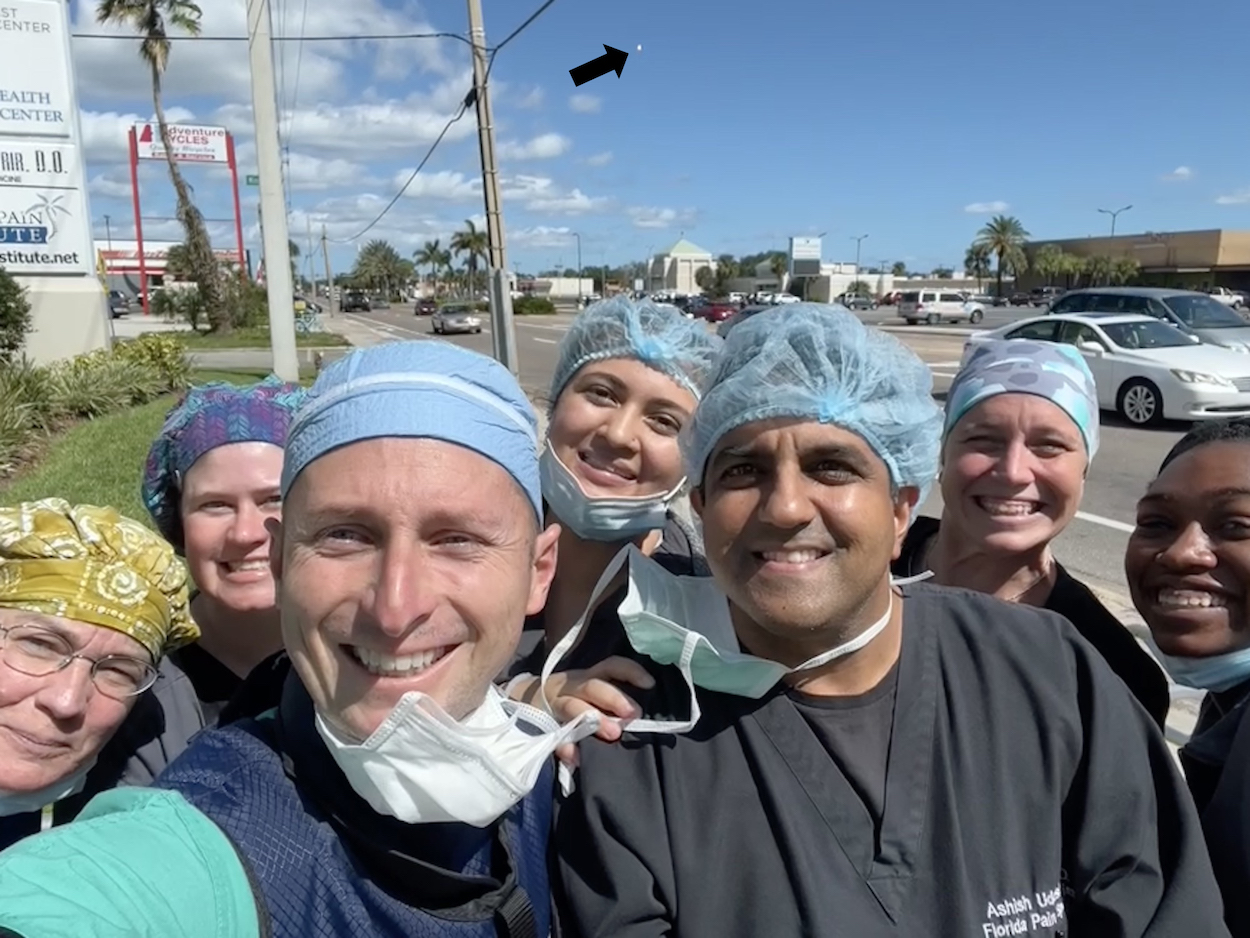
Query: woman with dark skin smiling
[[1188, 569], [1020, 432]]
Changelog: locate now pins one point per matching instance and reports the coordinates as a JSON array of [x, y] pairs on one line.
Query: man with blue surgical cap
[[393, 791], [868, 758]]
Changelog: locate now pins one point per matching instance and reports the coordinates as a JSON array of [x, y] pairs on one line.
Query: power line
[[353, 37], [520, 29]]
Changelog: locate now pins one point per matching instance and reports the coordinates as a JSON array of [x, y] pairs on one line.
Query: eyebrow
[[839, 451], [1220, 495]]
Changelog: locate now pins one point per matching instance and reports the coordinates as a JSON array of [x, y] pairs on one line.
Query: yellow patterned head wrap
[[93, 565]]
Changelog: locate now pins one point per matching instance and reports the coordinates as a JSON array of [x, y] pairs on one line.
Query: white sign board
[[43, 231], [805, 249], [191, 144], [39, 164], [36, 95]]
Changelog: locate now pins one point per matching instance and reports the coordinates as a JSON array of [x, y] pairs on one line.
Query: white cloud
[[645, 217], [105, 136], [986, 208], [533, 99], [1239, 197], [540, 194], [584, 103], [443, 185], [600, 159], [540, 236], [1180, 174], [108, 187], [311, 173], [542, 147], [110, 69]]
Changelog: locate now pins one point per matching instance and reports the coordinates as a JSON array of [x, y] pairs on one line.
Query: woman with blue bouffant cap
[[1020, 432]]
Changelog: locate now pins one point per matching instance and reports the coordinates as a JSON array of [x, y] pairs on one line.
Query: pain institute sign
[[189, 143], [35, 97]]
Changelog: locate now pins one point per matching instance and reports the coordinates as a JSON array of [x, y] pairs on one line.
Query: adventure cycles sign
[[189, 143]]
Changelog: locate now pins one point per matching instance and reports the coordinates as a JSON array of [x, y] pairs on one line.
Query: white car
[[1227, 297], [1145, 370], [938, 306]]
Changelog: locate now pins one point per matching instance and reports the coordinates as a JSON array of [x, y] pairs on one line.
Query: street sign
[[253, 180], [191, 144]]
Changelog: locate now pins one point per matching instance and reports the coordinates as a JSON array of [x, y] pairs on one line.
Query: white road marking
[[1105, 522], [944, 364], [546, 341]]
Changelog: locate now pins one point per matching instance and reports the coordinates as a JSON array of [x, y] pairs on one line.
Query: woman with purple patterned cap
[[212, 484], [1020, 432]]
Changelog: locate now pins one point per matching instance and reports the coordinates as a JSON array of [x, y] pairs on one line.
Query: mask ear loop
[[905, 580], [688, 647]]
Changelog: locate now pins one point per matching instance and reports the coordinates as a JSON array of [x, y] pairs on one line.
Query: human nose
[[785, 504], [248, 527], [402, 595], [1189, 550], [621, 430], [65, 694], [1016, 464]]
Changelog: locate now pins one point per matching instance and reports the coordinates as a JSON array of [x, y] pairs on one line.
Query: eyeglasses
[[39, 652]]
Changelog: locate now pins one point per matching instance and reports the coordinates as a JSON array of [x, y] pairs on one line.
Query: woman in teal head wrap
[[1020, 432]]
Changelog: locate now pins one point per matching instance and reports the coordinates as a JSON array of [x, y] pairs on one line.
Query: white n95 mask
[[685, 621], [421, 766], [600, 518]]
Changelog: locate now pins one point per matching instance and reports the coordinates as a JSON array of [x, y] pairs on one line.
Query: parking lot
[[1093, 546]]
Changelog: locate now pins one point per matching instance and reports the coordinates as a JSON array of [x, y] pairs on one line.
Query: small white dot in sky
[[640, 48]]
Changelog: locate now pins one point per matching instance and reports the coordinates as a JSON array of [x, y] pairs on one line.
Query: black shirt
[[1073, 600], [855, 731], [214, 683]]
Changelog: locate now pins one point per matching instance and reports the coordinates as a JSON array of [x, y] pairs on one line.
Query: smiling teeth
[[1191, 599], [391, 666], [1007, 507], [791, 556], [247, 566]]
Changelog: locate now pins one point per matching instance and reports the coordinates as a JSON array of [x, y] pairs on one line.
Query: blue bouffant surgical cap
[[1048, 370], [658, 336], [820, 363], [423, 390]]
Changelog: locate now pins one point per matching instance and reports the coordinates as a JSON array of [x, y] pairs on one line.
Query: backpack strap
[[515, 916], [263, 919]]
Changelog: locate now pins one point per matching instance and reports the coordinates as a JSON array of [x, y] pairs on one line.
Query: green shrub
[[29, 385], [247, 303], [99, 383], [17, 424], [164, 354], [179, 305], [15, 320], [533, 306]]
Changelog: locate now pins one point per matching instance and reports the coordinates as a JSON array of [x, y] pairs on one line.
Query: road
[[1092, 547]]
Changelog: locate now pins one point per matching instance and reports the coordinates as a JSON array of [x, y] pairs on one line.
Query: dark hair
[[1231, 430]]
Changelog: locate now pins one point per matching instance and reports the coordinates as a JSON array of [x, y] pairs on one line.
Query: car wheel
[[975, 316], [478, 330], [933, 319], [1140, 403]]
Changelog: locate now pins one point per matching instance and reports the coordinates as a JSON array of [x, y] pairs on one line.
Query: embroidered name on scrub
[[1039, 914]]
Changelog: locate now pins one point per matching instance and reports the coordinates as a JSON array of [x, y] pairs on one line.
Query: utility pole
[[274, 233], [1114, 215], [331, 300], [579, 269], [503, 332], [312, 268]]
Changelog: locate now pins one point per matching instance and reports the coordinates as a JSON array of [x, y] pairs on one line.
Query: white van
[[938, 306]]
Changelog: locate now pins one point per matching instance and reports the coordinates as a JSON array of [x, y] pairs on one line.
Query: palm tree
[[1005, 237], [1073, 268], [778, 267], [1101, 269], [1124, 269], [431, 254], [151, 19], [380, 266], [899, 269], [293, 250], [976, 263], [1048, 262], [473, 244]]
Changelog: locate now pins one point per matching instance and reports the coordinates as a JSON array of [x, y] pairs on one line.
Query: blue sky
[[739, 124]]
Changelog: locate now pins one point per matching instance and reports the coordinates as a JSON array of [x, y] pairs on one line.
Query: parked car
[[1020, 299], [1144, 369], [1228, 297], [456, 319], [857, 301], [356, 302], [717, 311], [740, 316], [1044, 296], [1188, 310], [119, 303], [938, 306], [425, 307]]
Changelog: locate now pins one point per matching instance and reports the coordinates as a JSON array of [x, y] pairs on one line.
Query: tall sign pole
[[503, 331], [134, 188], [272, 202], [331, 300], [238, 212]]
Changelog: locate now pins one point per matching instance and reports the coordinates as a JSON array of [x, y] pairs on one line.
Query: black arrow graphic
[[613, 61]]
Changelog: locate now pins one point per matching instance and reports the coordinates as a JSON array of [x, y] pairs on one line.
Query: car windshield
[[1135, 335], [909, 297], [1202, 312]]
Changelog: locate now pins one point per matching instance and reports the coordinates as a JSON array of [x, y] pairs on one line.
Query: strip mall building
[[1189, 259]]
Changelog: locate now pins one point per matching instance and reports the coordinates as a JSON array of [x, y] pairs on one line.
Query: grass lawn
[[254, 338], [100, 462]]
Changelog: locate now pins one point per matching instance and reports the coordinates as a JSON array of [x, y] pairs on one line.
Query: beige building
[[1190, 259], [674, 270]]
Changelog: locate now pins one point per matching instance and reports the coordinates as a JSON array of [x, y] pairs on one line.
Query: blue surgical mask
[[685, 621], [1214, 673], [600, 518]]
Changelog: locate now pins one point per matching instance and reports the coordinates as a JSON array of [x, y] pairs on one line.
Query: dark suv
[[425, 307], [356, 302]]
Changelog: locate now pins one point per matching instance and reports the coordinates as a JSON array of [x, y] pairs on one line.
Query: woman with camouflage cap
[[90, 603], [1020, 432]]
